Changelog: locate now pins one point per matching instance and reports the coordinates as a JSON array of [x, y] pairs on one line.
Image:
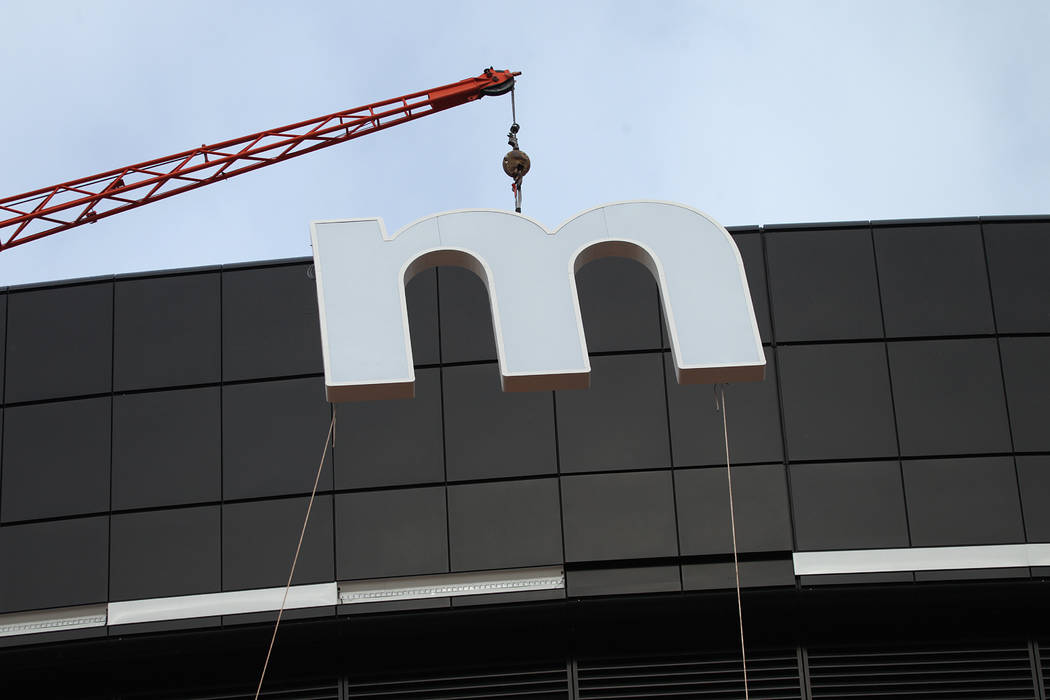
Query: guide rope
[[295, 559], [732, 528]]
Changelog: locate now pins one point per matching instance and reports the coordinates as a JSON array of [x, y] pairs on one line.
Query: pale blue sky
[[755, 112]]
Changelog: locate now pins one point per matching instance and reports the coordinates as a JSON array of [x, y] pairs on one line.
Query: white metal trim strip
[[442, 585], [269, 599], [228, 603], [864, 561], [852, 561], [54, 620]]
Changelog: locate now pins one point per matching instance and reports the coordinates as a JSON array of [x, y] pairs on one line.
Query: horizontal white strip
[[853, 561], [442, 585], [55, 620], [269, 599], [229, 603], [864, 561]]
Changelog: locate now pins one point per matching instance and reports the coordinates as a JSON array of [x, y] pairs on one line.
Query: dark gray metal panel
[[421, 298], [490, 433], [620, 422], [753, 413], [750, 247], [56, 459], [622, 580], [167, 448], [391, 533], [949, 397], [53, 564], [753, 574], [190, 623], [270, 323], [846, 505], [165, 553], [504, 525], [1033, 475], [394, 606], [299, 614], [273, 436], [618, 516], [972, 574], [824, 285], [619, 304], [851, 579], [817, 225], [148, 274], [389, 443], [166, 331], [760, 497], [466, 601], [933, 280], [836, 401], [1017, 258], [59, 342], [922, 221], [1027, 390], [255, 264], [466, 317], [963, 501], [259, 540]]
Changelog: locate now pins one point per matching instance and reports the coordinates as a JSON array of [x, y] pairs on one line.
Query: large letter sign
[[530, 274]]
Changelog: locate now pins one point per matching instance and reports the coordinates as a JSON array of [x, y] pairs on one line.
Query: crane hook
[[516, 163]]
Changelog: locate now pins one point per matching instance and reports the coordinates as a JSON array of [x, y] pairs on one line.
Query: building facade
[[891, 481]]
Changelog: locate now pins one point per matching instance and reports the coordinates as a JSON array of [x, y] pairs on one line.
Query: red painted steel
[[52, 209]]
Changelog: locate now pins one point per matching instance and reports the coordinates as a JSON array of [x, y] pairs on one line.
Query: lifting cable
[[324, 453], [720, 404], [516, 163]]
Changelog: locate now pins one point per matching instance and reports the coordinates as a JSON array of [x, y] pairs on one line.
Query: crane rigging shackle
[[31, 215], [516, 163]]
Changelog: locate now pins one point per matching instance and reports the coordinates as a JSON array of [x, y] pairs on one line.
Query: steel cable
[[295, 559], [732, 527]]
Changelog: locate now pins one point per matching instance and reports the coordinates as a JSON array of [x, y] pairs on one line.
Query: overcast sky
[[753, 112]]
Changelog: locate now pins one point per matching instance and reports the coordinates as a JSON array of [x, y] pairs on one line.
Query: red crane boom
[[42, 212]]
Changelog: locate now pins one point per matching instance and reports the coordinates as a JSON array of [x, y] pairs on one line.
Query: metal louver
[[772, 675], [1043, 650], [542, 682], [999, 672], [327, 689]]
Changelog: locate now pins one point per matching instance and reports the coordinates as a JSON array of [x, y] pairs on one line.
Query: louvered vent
[[1044, 665], [536, 682], [999, 672], [771, 676], [303, 690]]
